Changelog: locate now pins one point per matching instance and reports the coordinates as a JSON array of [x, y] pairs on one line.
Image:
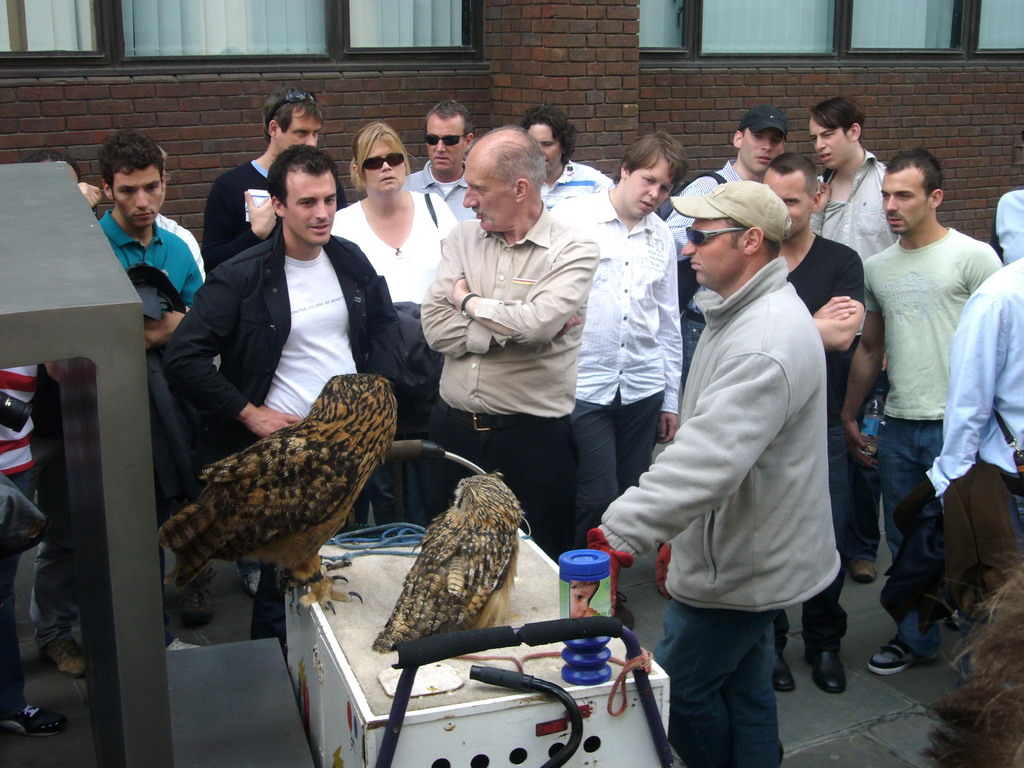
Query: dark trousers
[[824, 620], [268, 607], [615, 443], [537, 458]]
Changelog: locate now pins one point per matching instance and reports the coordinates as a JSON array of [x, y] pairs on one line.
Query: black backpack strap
[[665, 209], [430, 207]]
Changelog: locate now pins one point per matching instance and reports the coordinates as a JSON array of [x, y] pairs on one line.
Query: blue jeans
[[615, 442], [906, 450], [692, 329], [722, 706], [861, 537], [12, 679]]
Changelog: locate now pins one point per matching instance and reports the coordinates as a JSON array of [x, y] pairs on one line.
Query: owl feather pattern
[[281, 498], [464, 574]]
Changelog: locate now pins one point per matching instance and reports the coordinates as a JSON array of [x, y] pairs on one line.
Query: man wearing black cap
[[759, 139]]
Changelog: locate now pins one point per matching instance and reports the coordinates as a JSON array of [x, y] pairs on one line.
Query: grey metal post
[[63, 296]]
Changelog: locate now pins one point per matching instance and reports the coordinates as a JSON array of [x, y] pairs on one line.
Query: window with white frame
[[223, 27], [1000, 26], [47, 25], [907, 24], [809, 27], [797, 26], [407, 23], [661, 23]]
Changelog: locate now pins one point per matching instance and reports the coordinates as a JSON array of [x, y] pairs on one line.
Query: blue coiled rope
[[398, 539]]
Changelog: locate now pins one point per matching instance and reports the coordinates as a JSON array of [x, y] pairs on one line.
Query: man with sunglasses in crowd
[[233, 220], [448, 134], [742, 492], [284, 317]]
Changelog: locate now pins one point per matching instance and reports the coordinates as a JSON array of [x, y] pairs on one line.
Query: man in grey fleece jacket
[[742, 492]]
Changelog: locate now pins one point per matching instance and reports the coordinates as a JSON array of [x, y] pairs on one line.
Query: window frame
[[689, 54], [340, 56]]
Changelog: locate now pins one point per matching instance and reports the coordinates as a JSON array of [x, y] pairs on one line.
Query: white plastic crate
[[335, 672]]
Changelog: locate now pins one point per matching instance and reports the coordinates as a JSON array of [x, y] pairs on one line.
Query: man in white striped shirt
[[627, 385]]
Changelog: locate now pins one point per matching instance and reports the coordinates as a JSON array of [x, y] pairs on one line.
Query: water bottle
[[585, 591], [874, 412]]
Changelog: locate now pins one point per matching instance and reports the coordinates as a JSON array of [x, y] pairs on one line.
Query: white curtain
[[926, 24], [223, 27], [1001, 26], [661, 23], [49, 25], [754, 26], [405, 23]]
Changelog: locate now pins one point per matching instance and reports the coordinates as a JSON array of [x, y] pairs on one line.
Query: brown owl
[[463, 576], [281, 498]]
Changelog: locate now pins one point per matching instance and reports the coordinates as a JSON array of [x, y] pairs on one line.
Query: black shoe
[[827, 671], [782, 678], [33, 721]]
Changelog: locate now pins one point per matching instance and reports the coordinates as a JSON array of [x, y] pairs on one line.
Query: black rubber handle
[[504, 678], [410, 450], [560, 630], [427, 650]]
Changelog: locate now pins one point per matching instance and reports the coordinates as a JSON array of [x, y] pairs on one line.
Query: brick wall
[[209, 123], [580, 57], [570, 54], [969, 117]]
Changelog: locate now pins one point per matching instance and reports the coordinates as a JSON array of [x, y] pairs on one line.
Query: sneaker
[[249, 573], [894, 657], [33, 721], [196, 601], [178, 644], [66, 654]]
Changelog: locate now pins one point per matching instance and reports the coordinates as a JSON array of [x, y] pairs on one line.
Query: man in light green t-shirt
[[914, 293]]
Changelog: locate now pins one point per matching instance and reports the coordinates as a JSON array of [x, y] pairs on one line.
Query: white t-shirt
[[411, 269], [317, 347]]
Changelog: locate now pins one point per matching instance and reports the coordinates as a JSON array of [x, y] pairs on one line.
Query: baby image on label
[[584, 586], [585, 598]]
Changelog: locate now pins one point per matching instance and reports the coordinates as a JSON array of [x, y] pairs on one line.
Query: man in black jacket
[[233, 220], [284, 316]]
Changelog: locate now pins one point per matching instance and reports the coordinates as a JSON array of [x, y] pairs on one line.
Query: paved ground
[[880, 722]]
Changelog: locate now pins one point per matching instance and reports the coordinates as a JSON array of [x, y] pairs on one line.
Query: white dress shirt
[[631, 339], [986, 364]]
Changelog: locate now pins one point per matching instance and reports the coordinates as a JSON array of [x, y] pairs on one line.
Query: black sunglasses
[[292, 97], [449, 141], [376, 163], [701, 236]]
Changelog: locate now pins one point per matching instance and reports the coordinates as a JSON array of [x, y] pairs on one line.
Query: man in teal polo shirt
[[132, 168]]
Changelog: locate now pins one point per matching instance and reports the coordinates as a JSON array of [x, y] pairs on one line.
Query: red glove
[[618, 559], [661, 569]]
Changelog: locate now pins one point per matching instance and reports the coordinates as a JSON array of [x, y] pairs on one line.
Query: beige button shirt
[[532, 287]]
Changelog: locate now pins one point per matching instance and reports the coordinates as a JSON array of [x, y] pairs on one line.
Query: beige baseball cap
[[750, 203]]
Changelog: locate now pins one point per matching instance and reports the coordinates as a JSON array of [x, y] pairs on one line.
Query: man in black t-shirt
[[829, 278]]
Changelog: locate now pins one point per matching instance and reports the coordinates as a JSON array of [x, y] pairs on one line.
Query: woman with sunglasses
[[396, 228], [400, 232]]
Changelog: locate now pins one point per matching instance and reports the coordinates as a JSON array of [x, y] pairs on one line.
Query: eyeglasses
[[449, 141], [376, 163], [292, 97], [701, 236]]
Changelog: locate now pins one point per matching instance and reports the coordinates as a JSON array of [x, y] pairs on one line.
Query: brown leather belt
[[488, 422]]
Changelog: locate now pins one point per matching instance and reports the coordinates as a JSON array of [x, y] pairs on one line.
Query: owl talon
[[339, 577], [330, 604]]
